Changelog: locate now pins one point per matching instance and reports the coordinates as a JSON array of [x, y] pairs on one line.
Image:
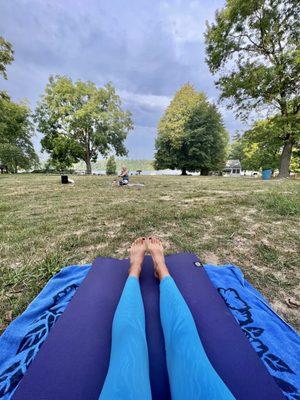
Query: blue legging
[[191, 374]]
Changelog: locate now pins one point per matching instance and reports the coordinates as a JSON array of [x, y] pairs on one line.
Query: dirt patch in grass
[[210, 258], [165, 198], [288, 307]]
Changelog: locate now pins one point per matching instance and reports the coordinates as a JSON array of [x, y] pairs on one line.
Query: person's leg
[[190, 372], [128, 373]]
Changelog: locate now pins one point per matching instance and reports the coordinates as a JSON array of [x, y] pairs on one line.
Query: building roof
[[233, 164]]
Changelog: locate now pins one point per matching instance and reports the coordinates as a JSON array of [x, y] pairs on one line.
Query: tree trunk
[[183, 171], [88, 164], [204, 171], [285, 159], [88, 154]]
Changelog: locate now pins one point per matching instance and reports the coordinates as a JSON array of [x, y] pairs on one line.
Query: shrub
[[111, 166]]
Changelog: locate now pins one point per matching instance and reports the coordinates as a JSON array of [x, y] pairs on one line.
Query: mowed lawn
[[248, 222]]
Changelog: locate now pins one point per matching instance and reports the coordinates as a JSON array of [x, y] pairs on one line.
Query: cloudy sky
[[147, 49]]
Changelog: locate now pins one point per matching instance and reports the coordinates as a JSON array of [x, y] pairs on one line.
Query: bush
[[111, 166]]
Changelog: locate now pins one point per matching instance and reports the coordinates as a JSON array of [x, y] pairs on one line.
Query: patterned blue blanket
[[276, 343]]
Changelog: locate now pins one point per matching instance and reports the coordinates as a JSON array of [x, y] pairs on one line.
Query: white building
[[232, 168]]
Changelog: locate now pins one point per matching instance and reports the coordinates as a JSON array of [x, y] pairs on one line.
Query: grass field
[[46, 225]]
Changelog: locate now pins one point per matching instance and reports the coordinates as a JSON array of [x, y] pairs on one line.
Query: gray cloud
[[147, 49]]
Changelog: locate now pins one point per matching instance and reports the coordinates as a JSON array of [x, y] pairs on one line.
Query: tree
[[191, 135], [64, 153], [261, 147], [16, 130], [90, 118], [254, 46], [111, 166], [6, 56], [236, 148], [295, 161]]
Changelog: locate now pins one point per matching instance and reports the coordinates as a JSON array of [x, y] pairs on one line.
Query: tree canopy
[[260, 147], [191, 135], [64, 153], [16, 130], [82, 120], [254, 46], [236, 148], [6, 56]]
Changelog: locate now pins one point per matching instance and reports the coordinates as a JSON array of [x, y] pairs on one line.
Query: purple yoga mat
[[73, 361]]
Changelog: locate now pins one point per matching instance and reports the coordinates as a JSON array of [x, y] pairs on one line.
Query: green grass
[[45, 225], [281, 203]]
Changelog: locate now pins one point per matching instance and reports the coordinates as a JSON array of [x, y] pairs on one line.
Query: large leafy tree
[[6, 56], [254, 46], [16, 131], [260, 146], [191, 135], [16, 128], [87, 120]]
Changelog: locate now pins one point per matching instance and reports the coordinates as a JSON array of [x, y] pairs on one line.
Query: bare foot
[[137, 254], [156, 250]]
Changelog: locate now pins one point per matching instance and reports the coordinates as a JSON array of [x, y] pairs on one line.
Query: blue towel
[[276, 343]]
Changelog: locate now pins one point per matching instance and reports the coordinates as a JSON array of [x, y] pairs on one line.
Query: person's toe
[[139, 241]]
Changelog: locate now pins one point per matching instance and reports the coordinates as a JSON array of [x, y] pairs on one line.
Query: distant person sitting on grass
[[124, 181], [124, 175]]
